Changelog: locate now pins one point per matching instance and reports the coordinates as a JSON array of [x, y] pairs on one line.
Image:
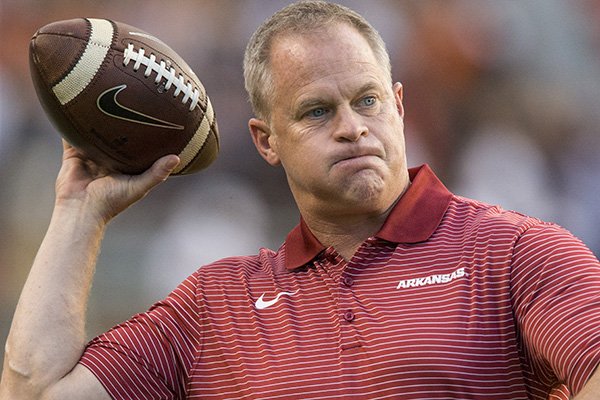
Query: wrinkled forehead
[[324, 64], [319, 50]]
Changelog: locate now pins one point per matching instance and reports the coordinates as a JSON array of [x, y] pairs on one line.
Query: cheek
[[394, 136], [303, 160], [292, 154]]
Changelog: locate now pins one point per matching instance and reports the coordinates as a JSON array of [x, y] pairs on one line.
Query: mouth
[[360, 160]]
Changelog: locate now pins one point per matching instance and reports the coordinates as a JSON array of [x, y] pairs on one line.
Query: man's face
[[336, 122]]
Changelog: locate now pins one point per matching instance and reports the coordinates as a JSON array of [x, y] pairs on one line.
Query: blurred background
[[501, 100]]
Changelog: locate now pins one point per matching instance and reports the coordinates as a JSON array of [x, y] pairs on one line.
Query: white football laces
[[162, 71]]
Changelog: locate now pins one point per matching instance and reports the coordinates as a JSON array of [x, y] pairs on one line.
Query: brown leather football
[[121, 96]]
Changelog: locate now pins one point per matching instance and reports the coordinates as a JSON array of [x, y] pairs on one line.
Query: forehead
[[302, 59]]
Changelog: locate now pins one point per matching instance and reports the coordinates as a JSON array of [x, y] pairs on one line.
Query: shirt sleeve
[[556, 295], [150, 355]]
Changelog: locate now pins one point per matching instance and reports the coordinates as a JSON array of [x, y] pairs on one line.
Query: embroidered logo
[[261, 303], [431, 279]]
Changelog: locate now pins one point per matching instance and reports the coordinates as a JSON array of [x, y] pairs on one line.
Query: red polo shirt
[[452, 298]]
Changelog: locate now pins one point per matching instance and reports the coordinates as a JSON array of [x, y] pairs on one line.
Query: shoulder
[[242, 267], [477, 217]]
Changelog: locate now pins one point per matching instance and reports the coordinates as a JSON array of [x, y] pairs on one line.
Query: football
[[121, 96]]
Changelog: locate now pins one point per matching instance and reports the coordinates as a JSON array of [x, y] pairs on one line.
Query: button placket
[[350, 336], [347, 283]]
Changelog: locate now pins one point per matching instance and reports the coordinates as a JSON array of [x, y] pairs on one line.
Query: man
[[390, 286]]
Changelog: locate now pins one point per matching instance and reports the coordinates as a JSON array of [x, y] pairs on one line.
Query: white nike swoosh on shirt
[[261, 304]]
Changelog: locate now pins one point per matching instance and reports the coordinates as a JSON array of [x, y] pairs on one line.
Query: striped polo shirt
[[451, 299]]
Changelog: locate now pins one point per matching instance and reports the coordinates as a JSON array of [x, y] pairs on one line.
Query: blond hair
[[300, 18]]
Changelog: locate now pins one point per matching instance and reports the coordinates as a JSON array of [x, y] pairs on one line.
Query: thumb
[[157, 173], [163, 167]]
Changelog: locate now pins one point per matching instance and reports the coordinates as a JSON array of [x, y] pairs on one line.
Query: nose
[[349, 125]]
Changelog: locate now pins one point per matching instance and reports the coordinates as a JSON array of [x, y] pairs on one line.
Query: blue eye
[[369, 101], [317, 112]]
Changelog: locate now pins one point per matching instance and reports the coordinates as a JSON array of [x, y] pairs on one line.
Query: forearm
[[47, 335]]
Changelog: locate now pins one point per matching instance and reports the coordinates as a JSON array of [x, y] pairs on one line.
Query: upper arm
[[556, 295], [150, 355], [80, 383]]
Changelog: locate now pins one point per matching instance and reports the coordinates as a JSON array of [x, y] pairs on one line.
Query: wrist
[[78, 214]]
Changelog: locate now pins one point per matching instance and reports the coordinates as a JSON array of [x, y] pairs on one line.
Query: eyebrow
[[369, 86], [308, 104], [313, 102]]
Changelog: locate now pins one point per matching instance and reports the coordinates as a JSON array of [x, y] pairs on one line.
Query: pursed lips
[[358, 154]]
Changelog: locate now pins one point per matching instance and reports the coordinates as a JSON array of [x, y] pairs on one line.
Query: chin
[[367, 189]]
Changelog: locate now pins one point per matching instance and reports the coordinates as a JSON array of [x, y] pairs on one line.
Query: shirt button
[[348, 281], [349, 316]]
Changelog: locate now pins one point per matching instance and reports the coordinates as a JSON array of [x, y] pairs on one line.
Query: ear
[[397, 88], [264, 140]]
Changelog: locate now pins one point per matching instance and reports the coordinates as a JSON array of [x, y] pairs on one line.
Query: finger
[[156, 174], [66, 144], [165, 165], [70, 151]]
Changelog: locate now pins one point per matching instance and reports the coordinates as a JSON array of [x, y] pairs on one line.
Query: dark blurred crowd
[[500, 99]]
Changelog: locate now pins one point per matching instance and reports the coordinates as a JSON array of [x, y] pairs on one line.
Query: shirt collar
[[413, 219]]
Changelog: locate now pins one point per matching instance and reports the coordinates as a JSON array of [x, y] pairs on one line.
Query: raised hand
[[83, 183]]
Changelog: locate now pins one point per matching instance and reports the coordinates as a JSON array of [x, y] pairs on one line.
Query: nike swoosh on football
[[261, 304], [108, 104]]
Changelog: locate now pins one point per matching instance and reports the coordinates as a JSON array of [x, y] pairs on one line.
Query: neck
[[346, 233], [345, 240]]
